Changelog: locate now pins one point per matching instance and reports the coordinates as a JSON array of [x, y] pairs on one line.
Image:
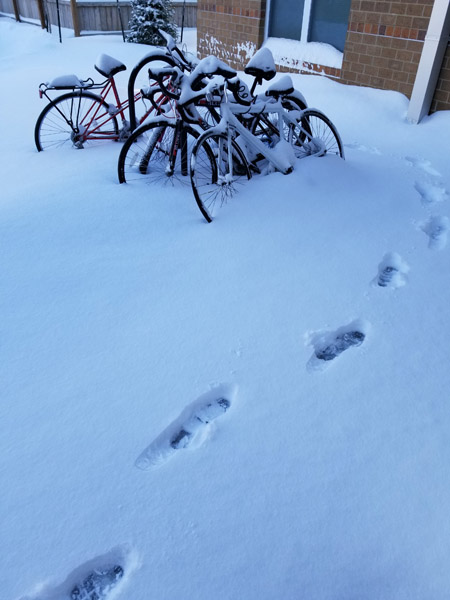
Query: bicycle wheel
[[157, 152], [213, 181], [75, 119], [315, 135]]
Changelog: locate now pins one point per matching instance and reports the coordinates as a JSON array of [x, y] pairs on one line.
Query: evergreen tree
[[147, 16]]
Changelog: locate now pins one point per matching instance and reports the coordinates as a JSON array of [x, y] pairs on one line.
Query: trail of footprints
[[392, 270], [103, 577], [432, 192], [98, 578]]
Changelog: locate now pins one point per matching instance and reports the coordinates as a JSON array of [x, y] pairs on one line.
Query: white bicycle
[[225, 156]]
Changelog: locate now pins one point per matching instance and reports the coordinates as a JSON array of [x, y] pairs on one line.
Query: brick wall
[[232, 30], [384, 43], [441, 100]]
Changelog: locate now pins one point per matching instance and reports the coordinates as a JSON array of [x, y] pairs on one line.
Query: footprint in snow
[[97, 584], [190, 429], [437, 229], [328, 345], [96, 579], [430, 193], [391, 271], [423, 165]]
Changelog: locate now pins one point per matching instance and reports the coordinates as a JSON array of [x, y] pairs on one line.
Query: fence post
[[76, 24], [40, 4], [16, 10]]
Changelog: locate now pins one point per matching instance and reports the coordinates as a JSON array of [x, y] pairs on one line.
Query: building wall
[[384, 43], [232, 30]]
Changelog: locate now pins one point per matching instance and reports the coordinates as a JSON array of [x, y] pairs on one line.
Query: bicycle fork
[[179, 143]]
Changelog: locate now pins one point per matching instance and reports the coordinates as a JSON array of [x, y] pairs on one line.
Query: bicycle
[[150, 153], [225, 156], [82, 117], [158, 151]]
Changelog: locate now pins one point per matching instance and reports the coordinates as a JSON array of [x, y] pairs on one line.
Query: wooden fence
[[86, 17]]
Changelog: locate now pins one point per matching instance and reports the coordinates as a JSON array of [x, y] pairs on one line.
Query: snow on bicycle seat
[[211, 65], [64, 82], [108, 66], [281, 87], [261, 65]]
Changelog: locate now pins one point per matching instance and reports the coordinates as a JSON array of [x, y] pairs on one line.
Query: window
[[309, 20], [285, 18]]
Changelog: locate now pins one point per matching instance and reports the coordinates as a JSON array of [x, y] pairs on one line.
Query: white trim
[[266, 23], [306, 20], [430, 63]]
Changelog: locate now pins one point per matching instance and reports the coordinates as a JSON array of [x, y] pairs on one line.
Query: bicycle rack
[[132, 80]]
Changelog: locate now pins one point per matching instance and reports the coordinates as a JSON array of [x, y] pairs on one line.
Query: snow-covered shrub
[[147, 16]]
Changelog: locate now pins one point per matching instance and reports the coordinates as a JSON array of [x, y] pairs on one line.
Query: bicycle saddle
[[208, 67], [261, 65], [281, 87], [108, 66]]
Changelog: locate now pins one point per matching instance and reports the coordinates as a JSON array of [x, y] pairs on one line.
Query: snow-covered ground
[[124, 316]]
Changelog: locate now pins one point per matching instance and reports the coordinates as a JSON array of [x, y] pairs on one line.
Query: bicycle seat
[[208, 67], [108, 66], [211, 65], [282, 87], [261, 65]]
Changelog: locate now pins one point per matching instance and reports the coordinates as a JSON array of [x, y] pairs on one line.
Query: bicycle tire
[[212, 183], [316, 136], [53, 129], [146, 155]]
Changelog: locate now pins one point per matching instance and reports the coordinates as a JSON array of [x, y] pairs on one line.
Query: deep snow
[[124, 315]]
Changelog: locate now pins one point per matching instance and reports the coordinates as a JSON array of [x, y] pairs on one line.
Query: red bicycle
[[82, 117]]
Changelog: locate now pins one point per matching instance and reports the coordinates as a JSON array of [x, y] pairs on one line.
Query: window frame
[[305, 22]]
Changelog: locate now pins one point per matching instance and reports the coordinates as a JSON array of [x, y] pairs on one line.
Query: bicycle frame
[[229, 121], [120, 107], [97, 115], [109, 85]]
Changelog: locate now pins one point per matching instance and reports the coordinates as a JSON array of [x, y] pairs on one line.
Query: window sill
[[290, 53]]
